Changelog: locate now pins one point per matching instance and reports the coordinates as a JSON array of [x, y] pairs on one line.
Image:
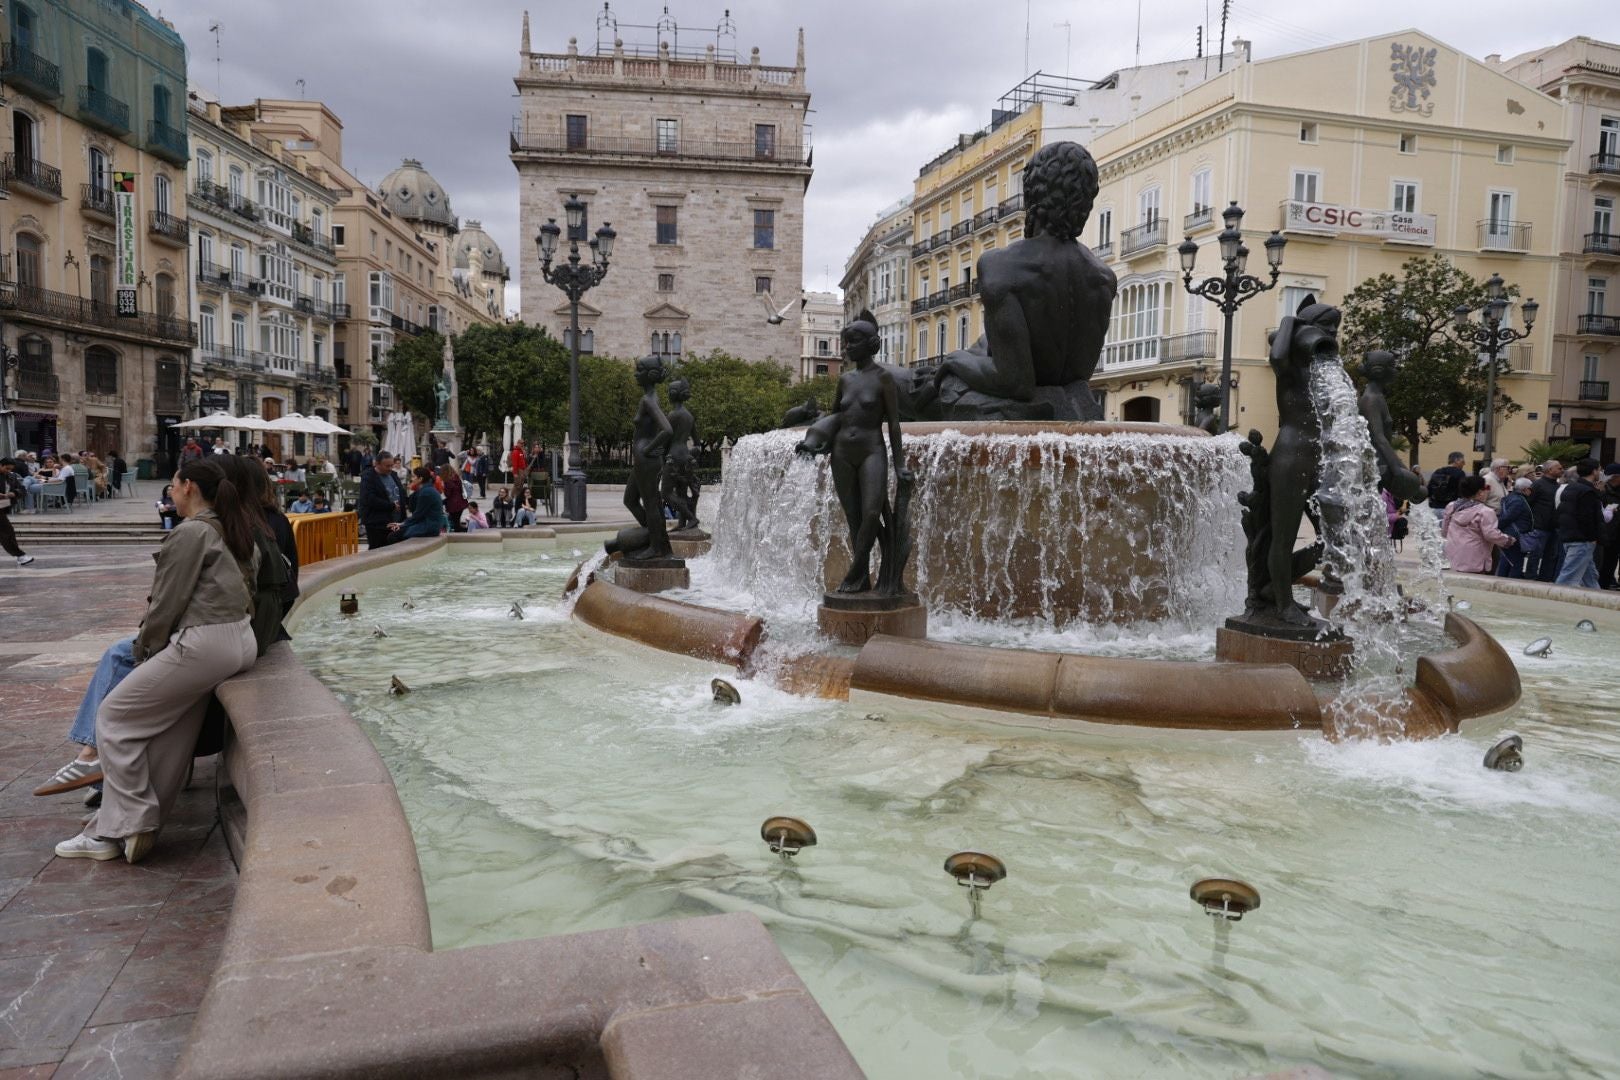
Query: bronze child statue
[[680, 488], [1378, 367], [867, 401], [650, 439]]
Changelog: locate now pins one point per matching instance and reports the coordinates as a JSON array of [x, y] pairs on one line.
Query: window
[[1105, 230], [1504, 154], [1603, 218], [967, 205], [1499, 222], [666, 344], [962, 332], [1407, 143], [340, 289], [100, 175], [945, 217], [922, 343], [239, 333], [22, 27], [276, 271], [163, 291], [990, 193], [205, 166], [1609, 138], [765, 228], [1307, 185], [587, 340], [24, 136], [205, 327], [100, 370], [95, 71], [236, 183], [668, 231], [823, 347], [1147, 205], [29, 262], [578, 131], [1203, 187], [666, 282], [1405, 200], [162, 197], [1597, 292], [381, 295], [940, 335], [1308, 131], [765, 141], [762, 285], [1292, 297], [669, 136], [205, 254], [160, 105], [339, 235], [1141, 314], [238, 261], [1589, 369], [101, 282]]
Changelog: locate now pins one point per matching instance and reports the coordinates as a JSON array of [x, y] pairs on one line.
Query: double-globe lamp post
[[575, 279], [1489, 335], [1232, 287]]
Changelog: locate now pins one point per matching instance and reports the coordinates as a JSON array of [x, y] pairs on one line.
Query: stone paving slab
[[102, 965]]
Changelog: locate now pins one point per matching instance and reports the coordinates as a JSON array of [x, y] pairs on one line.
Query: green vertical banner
[[127, 272]]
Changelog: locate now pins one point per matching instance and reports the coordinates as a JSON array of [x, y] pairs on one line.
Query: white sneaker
[[85, 846], [24, 560]]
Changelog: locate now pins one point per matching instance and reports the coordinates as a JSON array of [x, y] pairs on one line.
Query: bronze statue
[[1207, 408], [801, 415], [1046, 303], [1378, 367], [866, 401], [680, 488], [650, 439]]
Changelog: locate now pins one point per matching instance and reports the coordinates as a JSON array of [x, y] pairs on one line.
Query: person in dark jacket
[[1541, 550], [253, 483], [455, 498], [1609, 549], [427, 508], [1580, 526], [1443, 484], [1515, 520], [382, 504], [354, 462]]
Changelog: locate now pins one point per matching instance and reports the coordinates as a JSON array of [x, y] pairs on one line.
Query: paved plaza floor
[[101, 964]]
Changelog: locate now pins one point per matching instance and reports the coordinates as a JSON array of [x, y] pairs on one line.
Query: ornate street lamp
[[1489, 335], [575, 279], [1232, 287]]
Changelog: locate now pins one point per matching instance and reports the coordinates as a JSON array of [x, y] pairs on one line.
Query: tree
[[1442, 382], [733, 397], [1563, 450], [608, 397], [412, 368]]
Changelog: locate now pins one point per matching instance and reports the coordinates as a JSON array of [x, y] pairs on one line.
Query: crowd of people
[[1544, 522], [397, 504], [85, 472]]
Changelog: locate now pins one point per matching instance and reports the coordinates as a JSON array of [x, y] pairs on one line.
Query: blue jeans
[[1579, 568], [116, 663]]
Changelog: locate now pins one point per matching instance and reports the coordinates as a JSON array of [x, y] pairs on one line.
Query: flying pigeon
[[772, 315]]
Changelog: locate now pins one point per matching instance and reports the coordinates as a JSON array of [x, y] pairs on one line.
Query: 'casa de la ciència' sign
[[1391, 225]]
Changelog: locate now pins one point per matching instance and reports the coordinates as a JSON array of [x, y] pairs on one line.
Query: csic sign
[[1390, 225]]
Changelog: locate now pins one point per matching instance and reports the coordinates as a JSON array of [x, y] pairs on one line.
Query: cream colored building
[[821, 319], [264, 272], [93, 90], [699, 159], [1364, 154], [1584, 325], [877, 278], [471, 274]]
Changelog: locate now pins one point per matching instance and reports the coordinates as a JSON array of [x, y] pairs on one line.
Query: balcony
[[1504, 236], [96, 199], [77, 311], [168, 228], [1104, 250], [985, 218], [1142, 239], [219, 196], [38, 387], [340, 312], [1602, 325], [939, 298], [307, 236], [775, 154], [214, 276], [29, 172], [961, 291], [314, 374], [169, 399], [232, 356], [939, 239], [1014, 205], [1194, 345], [30, 72], [168, 142], [1602, 164], [1599, 243], [919, 305], [405, 326], [919, 249], [1594, 391], [961, 229], [1200, 217], [100, 109]]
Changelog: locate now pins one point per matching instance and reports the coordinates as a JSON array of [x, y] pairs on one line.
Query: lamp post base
[[574, 495]]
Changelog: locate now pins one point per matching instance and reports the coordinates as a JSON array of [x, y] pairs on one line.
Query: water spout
[[1225, 898], [377, 631], [1507, 755], [397, 687], [787, 836], [976, 872], [724, 692], [349, 603], [516, 610], [1541, 647]]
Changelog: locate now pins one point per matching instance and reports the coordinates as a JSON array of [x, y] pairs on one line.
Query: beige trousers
[[147, 727]]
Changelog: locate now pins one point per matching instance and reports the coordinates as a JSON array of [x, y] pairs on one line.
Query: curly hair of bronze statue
[[1060, 185]]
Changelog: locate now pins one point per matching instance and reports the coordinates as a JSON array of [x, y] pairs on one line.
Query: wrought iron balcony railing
[[307, 236], [1193, 345], [558, 142], [29, 171], [1201, 216], [1594, 391], [169, 141], [221, 196], [1606, 164], [96, 199], [78, 310], [1607, 325], [103, 110], [1504, 236], [38, 386], [1142, 238], [1014, 205], [168, 227], [27, 70], [1598, 243]]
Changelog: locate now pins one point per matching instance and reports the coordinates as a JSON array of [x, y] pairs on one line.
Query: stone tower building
[[699, 160]]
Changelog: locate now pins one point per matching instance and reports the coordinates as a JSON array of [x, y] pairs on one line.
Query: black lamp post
[[1489, 335], [1232, 287], [575, 279]]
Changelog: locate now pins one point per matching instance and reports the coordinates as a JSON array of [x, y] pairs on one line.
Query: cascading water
[[1428, 586], [1021, 525]]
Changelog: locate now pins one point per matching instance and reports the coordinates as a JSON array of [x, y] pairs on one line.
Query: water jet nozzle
[[516, 610], [1586, 626], [349, 603], [378, 631], [725, 693], [1541, 647], [975, 871], [787, 835], [1225, 898], [397, 687], [1506, 756]]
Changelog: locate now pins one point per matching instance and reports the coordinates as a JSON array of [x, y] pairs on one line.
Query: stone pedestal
[[689, 543], [852, 619], [1313, 656], [651, 575]]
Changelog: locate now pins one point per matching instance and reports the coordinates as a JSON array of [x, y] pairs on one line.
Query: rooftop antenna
[[1068, 37], [666, 25], [1138, 33], [219, 93], [1026, 38], [726, 29], [1226, 7], [1203, 34], [606, 21], [300, 84]]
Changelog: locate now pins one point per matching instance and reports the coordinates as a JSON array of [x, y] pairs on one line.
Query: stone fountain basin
[[1062, 690]]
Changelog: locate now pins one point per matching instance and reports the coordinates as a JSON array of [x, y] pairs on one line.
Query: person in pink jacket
[[1469, 526]]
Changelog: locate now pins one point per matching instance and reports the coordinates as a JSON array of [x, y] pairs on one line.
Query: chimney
[[1494, 59], [1240, 50], [213, 113]]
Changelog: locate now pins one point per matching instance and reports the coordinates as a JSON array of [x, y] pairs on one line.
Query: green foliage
[[411, 368], [1561, 449], [1441, 382], [608, 396], [732, 397], [512, 369], [824, 388]]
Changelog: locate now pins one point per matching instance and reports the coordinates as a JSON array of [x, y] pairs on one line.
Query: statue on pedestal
[[1207, 407], [1046, 303], [1378, 367], [680, 488], [648, 541]]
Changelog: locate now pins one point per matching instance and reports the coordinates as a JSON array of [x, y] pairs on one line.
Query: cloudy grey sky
[[893, 81]]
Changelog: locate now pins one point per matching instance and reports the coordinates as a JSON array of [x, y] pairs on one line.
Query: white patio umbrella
[[517, 430], [224, 420], [326, 427], [506, 445], [296, 424]]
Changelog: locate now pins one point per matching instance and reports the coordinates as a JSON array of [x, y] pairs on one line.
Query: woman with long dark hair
[[455, 496], [196, 634], [253, 485]]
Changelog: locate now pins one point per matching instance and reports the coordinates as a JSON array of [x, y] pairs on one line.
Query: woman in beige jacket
[[196, 634]]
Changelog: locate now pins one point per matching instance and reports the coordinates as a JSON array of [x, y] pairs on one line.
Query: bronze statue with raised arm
[[650, 438]]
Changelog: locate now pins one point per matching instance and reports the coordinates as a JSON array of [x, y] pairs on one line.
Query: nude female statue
[[866, 401], [1378, 367]]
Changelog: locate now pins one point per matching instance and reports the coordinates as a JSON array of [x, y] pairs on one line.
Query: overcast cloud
[[892, 81]]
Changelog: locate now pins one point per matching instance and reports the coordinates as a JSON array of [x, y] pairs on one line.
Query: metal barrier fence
[[325, 536]]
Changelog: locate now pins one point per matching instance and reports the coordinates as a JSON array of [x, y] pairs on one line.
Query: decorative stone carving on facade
[[1413, 68]]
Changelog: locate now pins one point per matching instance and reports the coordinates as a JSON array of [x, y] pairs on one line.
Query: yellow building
[[1363, 154]]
